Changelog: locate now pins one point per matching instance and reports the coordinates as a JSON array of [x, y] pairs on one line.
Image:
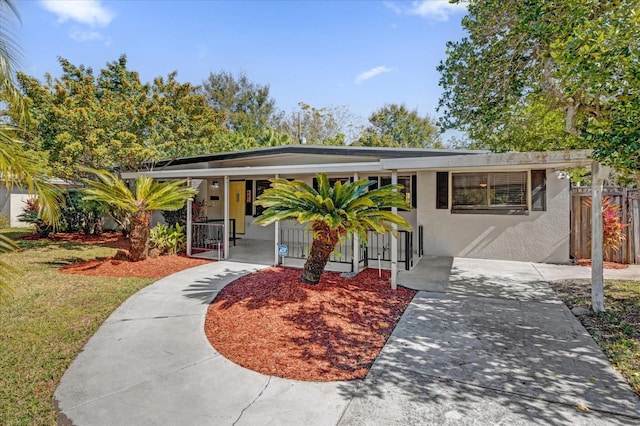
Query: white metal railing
[[207, 237]]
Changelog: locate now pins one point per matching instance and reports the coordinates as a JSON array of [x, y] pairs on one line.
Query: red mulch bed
[[606, 264], [149, 268], [115, 267], [271, 323], [107, 239]]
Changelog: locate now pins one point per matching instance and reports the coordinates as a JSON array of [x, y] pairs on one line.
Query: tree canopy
[[247, 107], [566, 69], [98, 121], [396, 126]]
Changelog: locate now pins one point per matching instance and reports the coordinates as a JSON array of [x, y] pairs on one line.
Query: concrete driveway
[[487, 342], [483, 342]]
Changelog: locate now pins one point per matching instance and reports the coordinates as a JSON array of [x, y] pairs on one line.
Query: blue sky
[[361, 54]]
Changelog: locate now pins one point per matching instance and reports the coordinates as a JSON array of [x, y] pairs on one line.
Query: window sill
[[501, 212]]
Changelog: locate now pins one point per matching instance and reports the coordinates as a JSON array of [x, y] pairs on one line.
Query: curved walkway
[[457, 356]]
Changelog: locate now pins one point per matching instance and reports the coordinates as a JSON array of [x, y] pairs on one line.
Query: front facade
[[512, 206]]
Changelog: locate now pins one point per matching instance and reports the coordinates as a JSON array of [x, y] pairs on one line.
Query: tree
[[395, 126], [81, 119], [148, 197], [332, 212], [573, 62], [16, 166], [247, 107], [321, 126]]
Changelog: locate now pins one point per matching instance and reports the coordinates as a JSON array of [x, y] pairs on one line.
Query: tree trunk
[[324, 241], [139, 236]]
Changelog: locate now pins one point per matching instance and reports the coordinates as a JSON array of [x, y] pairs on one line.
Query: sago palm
[[332, 212], [140, 204]]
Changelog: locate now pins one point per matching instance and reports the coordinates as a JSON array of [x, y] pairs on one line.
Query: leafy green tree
[[332, 212], [320, 126], [140, 204], [81, 119], [396, 126], [247, 107], [570, 65]]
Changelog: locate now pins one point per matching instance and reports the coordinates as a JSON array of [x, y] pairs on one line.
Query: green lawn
[[616, 331], [47, 320]]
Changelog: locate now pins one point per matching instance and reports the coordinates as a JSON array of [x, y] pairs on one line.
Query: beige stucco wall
[[536, 237]]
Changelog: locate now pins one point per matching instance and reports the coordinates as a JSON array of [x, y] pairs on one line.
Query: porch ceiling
[[296, 169]]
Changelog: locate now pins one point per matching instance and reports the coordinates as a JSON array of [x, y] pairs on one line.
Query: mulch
[[606, 264], [271, 323]]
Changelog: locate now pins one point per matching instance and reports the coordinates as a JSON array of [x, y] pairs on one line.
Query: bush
[[81, 215], [31, 214], [168, 239], [173, 217], [4, 221]]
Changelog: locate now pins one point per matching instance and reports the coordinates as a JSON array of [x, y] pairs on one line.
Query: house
[[511, 206], [12, 204]]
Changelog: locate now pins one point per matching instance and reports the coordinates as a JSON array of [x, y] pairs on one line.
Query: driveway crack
[[252, 402]]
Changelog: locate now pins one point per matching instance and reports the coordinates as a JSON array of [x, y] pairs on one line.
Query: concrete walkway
[[483, 342]]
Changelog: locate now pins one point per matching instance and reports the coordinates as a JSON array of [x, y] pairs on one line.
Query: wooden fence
[[629, 213]]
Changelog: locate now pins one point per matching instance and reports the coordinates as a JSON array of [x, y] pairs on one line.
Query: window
[[495, 192], [261, 185], [442, 190], [409, 183], [539, 190]]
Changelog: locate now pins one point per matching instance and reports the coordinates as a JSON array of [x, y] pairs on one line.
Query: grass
[[617, 331], [46, 322]]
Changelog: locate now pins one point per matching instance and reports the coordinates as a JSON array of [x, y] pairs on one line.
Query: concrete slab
[[524, 356]]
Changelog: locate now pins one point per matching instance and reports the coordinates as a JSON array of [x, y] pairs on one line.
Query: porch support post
[[598, 175], [394, 240], [226, 218], [276, 227], [189, 220], [355, 258]]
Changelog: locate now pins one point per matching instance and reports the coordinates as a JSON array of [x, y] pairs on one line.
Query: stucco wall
[[536, 237], [12, 204]]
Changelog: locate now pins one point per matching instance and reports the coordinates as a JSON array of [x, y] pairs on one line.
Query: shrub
[[168, 239], [31, 214], [4, 221], [81, 215], [173, 217], [613, 235]]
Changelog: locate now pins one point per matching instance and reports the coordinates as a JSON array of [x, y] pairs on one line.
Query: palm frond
[[6, 271]]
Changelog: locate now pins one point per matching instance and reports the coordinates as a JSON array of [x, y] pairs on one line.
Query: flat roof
[[378, 153]]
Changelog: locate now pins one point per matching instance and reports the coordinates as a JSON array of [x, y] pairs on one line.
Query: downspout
[[394, 239]]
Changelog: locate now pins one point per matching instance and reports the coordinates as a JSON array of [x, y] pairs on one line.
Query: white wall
[[536, 237]]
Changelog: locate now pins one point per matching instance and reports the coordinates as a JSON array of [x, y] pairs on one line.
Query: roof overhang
[[509, 160], [505, 161]]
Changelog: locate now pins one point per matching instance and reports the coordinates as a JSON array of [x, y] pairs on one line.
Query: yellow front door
[[237, 205]]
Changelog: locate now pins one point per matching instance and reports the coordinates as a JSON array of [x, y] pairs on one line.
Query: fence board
[[580, 241]]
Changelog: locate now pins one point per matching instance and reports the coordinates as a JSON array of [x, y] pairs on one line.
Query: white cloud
[[435, 9], [89, 12], [82, 36], [372, 73]]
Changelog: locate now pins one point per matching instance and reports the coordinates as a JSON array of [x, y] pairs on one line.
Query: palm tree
[[16, 168], [332, 212], [148, 197]]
